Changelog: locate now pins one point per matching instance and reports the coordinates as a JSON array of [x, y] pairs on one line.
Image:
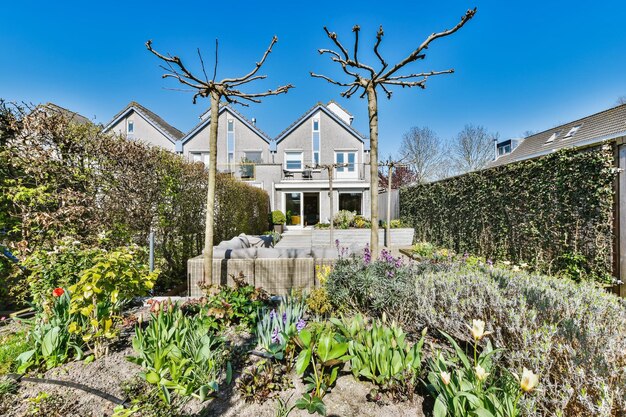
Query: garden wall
[[347, 237], [553, 212]]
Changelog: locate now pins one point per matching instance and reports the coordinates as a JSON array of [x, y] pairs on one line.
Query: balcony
[[357, 172]]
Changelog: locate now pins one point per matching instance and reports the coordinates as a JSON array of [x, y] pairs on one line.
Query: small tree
[[423, 152], [473, 148], [227, 89], [365, 77]]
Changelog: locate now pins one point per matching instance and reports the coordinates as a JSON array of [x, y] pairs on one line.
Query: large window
[[253, 156], [247, 164], [230, 141], [200, 157], [293, 206], [351, 202], [293, 160], [349, 159], [316, 142]]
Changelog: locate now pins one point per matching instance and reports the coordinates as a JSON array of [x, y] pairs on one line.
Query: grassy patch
[[11, 346]]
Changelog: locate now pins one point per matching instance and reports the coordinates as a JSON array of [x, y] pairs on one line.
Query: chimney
[[254, 121], [495, 149]]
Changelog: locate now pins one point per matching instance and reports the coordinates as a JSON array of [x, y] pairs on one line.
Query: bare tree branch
[[356, 30], [215, 67], [379, 38], [330, 80], [420, 74], [206, 78], [257, 66], [416, 53]]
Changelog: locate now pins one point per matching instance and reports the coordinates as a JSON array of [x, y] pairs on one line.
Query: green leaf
[[153, 378], [304, 358], [441, 409]]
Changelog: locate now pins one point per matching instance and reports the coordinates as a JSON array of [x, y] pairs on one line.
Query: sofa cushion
[[247, 253], [244, 239], [268, 253], [234, 243], [295, 253], [325, 253]]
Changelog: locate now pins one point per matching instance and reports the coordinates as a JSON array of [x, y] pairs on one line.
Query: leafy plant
[[323, 351], [466, 387], [278, 217], [262, 381], [11, 346], [234, 305], [424, 249], [381, 354], [50, 339], [179, 353], [101, 293], [276, 327], [319, 302], [343, 219]]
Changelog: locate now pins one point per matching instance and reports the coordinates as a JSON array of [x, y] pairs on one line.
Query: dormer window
[[572, 131], [130, 127], [553, 136]]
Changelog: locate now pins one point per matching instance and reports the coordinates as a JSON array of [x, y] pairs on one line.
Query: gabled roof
[[68, 114], [169, 131], [309, 113], [206, 120], [605, 125]]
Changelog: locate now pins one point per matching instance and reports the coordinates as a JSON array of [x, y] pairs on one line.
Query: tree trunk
[[331, 172], [372, 107], [388, 228], [210, 200]]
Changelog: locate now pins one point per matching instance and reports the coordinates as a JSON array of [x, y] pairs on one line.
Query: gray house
[[285, 167]]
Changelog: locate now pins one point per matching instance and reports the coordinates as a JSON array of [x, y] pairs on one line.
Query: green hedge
[[65, 180], [553, 212]]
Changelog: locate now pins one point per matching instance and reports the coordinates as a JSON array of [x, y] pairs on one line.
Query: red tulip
[[57, 292]]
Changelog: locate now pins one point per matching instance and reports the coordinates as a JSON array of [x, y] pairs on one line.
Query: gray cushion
[[244, 240], [234, 243], [325, 253], [248, 253], [267, 253], [295, 253]]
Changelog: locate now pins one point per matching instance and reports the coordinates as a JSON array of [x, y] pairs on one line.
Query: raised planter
[[347, 237]]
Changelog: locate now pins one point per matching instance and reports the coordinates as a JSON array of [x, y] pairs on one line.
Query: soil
[[108, 374]]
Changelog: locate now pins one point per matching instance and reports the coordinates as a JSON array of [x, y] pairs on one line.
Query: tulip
[[481, 374], [478, 329], [57, 292], [445, 377], [529, 380]]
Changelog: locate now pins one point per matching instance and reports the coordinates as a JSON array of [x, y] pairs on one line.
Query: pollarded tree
[[365, 77], [227, 89]]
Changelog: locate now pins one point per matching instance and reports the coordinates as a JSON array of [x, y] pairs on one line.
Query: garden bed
[[347, 237]]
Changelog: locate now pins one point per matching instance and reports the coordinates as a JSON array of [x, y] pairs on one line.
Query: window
[[553, 136], [230, 141], [130, 127], [503, 150], [316, 142], [253, 156], [293, 206], [351, 202], [293, 160], [572, 131], [200, 157], [348, 158]]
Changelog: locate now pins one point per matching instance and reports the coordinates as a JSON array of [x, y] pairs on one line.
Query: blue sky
[[519, 65]]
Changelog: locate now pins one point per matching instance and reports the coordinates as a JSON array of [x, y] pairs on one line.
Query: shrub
[[343, 219], [531, 211], [278, 217], [571, 334], [101, 293]]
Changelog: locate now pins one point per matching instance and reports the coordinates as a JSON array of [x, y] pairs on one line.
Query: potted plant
[[278, 220]]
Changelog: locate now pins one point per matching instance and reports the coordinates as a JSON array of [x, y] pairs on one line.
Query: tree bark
[[210, 200], [388, 228], [372, 107]]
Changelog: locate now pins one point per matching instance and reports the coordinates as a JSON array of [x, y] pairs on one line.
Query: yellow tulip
[[478, 329], [481, 374], [529, 380], [445, 377]]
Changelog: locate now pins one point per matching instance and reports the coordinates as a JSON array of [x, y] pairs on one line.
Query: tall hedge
[[542, 211], [62, 179]]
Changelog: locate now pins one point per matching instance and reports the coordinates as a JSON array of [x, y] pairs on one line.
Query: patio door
[[311, 210], [293, 208]]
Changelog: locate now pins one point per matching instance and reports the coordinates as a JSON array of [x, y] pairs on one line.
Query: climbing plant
[[544, 212]]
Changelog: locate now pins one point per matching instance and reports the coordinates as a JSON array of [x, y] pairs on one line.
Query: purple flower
[[489, 262], [337, 243], [275, 338], [284, 318], [272, 314], [300, 325], [367, 254]]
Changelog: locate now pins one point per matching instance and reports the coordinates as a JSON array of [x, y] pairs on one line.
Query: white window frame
[[229, 151], [343, 172], [319, 139], [351, 192], [284, 205], [200, 156], [553, 136], [130, 127], [573, 131], [286, 159]]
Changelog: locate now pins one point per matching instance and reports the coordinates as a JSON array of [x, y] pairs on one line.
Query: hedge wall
[[60, 179], [549, 212]]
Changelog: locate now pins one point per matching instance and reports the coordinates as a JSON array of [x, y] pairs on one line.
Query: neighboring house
[[321, 136], [53, 109], [284, 166], [597, 128], [139, 123], [506, 146]]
